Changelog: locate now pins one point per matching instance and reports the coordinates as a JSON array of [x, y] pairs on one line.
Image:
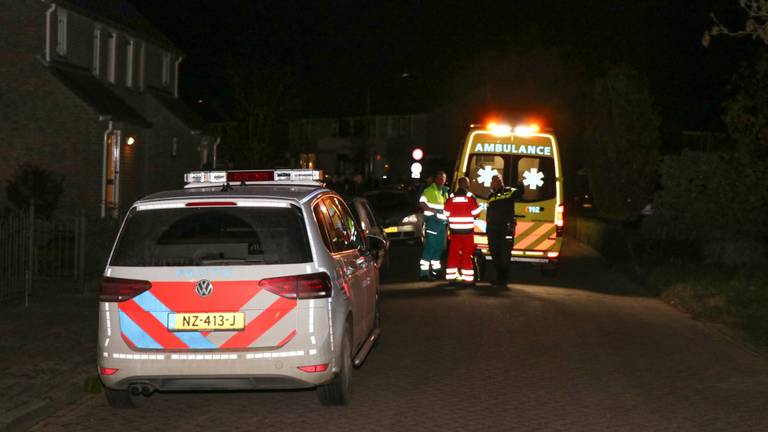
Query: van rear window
[[213, 236]]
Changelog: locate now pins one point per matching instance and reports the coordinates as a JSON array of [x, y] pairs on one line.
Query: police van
[[528, 159], [241, 280]]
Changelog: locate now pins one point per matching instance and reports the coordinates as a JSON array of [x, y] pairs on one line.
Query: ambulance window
[[536, 177], [538, 173], [481, 169], [212, 236]]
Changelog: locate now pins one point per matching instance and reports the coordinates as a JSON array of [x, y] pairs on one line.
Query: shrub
[[33, 182]]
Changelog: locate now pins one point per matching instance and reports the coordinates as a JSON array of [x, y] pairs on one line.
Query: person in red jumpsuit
[[461, 209]]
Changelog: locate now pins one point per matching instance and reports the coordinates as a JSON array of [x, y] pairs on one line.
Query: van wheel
[[124, 399], [339, 390]]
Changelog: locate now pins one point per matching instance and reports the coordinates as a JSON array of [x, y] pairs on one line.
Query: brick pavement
[[46, 352], [591, 354]]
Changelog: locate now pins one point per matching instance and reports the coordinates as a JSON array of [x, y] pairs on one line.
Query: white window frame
[[142, 65], [61, 32], [129, 62], [166, 69], [112, 57], [96, 66]]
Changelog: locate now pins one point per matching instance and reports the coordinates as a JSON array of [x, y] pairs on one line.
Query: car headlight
[[410, 219]]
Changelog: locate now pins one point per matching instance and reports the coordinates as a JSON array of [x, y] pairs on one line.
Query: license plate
[[206, 321], [390, 229]]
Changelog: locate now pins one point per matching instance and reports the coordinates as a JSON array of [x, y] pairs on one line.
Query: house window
[[111, 57], [61, 32], [166, 69], [129, 51], [96, 67]]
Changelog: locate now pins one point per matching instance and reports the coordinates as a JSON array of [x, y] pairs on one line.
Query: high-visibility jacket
[[462, 211], [434, 197]]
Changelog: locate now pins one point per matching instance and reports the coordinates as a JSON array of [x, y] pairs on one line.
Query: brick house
[[89, 90]]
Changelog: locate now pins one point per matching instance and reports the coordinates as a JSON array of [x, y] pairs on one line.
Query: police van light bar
[[205, 177], [254, 176]]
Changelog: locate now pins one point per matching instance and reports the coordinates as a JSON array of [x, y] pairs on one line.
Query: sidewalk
[[46, 353]]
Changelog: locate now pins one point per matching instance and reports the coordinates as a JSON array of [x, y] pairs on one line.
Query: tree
[[746, 114], [756, 25], [31, 182], [622, 144], [260, 95]]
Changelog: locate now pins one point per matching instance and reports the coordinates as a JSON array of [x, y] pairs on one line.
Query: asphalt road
[[582, 351]]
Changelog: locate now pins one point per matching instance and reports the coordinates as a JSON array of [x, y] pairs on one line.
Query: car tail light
[[559, 219], [309, 286], [314, 368], [120, 290], [108, 371]]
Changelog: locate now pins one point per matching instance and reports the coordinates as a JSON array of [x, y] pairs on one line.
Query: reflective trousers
[[459, 265], [434, 243]]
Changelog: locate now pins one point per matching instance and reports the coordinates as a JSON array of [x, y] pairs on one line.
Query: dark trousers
[[500, 248]]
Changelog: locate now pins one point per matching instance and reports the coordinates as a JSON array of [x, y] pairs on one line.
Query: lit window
[[111, 57], [96, 67], [61, 32], [129, 64]]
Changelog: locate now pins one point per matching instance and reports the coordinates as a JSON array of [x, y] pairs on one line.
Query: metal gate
[[32, 249], [15, 242]]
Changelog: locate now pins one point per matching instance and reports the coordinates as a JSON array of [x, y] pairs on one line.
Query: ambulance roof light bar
[[526, 130], [500, 129], [295, 176]]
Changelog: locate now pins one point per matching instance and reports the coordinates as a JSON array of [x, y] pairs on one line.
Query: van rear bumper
[[214, 383]]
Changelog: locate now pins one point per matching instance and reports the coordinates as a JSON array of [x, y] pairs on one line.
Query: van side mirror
[[375, 244]]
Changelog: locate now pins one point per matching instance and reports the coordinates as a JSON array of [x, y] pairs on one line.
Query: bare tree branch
[[755, 26]]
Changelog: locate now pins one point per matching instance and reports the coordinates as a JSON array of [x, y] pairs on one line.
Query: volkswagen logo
[[204, 288]]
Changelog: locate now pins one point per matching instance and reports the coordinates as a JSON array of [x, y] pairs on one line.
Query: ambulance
[[526, 158]]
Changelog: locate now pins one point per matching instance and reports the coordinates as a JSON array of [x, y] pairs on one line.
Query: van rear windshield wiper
[[232, 261]]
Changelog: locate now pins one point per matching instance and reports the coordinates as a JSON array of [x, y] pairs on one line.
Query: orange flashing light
[[527, 130], [499, 129]]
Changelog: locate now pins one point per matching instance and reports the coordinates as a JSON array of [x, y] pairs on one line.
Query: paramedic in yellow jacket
[[432, 201]]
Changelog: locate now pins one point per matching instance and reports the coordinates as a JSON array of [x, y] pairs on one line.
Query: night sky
[[353, 57]]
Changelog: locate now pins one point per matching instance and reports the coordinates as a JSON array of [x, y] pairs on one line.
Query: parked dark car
[[398, 213], [361, 210]]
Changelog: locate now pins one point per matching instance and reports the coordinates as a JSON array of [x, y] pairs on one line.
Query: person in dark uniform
[[500, 217]]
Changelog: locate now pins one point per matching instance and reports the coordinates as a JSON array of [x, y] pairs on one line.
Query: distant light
[[405, 75], [130, 141], [417, 154], [200, 101], [416, 170]]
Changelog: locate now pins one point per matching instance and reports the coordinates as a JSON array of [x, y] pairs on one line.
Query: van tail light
[[120, 290], [559, 220], [308, 286], [314, 368], [108, 371]]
